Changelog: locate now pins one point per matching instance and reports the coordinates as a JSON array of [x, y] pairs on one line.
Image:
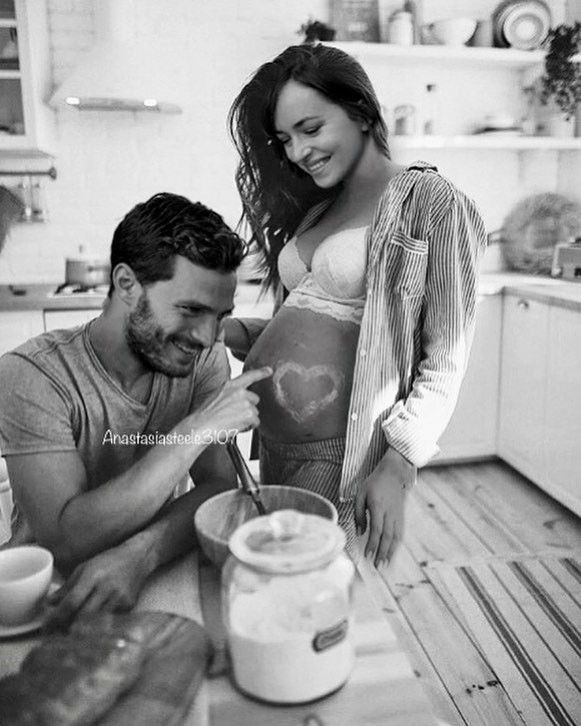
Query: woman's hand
[[108, 582], [382, 494]]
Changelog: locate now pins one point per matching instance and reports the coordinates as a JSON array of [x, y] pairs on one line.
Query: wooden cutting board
[[178, 653]]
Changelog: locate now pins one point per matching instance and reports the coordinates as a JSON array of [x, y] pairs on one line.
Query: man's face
[[174, 320]]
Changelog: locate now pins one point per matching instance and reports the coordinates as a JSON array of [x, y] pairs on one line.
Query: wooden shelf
[[10, 75], [19, 146], [8, 23], [503, 57], [514, 143]]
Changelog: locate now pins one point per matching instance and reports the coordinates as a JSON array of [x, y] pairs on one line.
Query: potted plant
[[316, 30], [561, 82]]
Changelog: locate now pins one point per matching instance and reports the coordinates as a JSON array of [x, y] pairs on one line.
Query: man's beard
[[151, 345]]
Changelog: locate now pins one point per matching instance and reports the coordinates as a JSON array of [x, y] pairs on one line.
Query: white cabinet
[[523, 380], [562, 434], [26, 122], [17, 327], [471, 433], [540, 401], [57, 319], [521, 395]]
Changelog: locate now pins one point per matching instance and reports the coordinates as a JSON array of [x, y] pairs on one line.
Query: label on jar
[[331, 636]]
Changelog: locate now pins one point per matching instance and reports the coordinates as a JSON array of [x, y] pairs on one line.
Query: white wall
[[106, 163]]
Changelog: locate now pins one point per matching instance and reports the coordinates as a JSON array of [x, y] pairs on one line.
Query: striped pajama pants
[[313, 465]]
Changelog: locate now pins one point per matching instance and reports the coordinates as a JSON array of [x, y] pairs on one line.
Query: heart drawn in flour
[[304, 391]]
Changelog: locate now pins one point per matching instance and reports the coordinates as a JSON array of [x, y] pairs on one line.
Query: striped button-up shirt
[[424, 245]]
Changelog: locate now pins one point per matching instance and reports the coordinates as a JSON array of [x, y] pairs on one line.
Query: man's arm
[[113, 579], [172, 533], [75, 523]]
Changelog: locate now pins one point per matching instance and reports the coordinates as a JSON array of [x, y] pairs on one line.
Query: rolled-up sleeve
[[456, 243]]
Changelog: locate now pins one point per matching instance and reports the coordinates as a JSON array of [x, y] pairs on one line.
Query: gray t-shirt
[[55, 395]]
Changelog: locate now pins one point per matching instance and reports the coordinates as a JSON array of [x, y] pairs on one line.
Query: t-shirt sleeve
[[211, 375], [35, 415]]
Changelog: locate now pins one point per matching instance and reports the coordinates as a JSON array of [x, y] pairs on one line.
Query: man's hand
[[383, 495], [110, 581], [234, 409]]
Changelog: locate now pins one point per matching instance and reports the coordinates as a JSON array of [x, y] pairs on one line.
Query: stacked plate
[[521, 24]]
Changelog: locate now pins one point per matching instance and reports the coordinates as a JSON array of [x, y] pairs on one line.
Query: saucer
[[30, 626]]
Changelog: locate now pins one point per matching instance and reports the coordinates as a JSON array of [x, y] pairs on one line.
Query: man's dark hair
[[150, 236]]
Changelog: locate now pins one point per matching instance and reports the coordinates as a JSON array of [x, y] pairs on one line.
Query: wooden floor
[[464, 513]]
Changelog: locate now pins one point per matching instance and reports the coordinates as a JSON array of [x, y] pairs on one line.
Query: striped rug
[[524, 616]]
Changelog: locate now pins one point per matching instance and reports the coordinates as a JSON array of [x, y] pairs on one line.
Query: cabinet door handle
[[524, 304]]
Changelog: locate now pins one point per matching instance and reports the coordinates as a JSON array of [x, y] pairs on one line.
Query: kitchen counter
[[550, 290], [492, 283], [566, 295], [383, 687], [40, 297]]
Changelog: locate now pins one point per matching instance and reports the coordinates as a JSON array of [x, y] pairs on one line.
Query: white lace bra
[[335, 284]]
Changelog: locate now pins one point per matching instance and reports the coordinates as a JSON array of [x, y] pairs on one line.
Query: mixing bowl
[[217, 518]]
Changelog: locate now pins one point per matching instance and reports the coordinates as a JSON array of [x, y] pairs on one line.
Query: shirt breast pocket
[[411, 263]]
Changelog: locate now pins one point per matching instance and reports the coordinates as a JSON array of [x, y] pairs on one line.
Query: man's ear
[[126, 284]]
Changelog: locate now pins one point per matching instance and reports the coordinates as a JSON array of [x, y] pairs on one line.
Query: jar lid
[[287, 541]]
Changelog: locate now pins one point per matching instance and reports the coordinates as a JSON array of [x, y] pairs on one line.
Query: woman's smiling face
[[317, 135]]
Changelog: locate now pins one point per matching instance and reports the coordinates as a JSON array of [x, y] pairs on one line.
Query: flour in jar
[[289, 640]]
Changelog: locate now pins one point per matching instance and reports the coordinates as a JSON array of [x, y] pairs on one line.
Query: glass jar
[[287, 601], [404, 118]]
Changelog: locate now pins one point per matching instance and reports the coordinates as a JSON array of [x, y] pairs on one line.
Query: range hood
[[120, 72]]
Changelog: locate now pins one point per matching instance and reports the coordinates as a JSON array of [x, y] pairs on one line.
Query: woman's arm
[[456, 244], [415, 423], [240, 334]]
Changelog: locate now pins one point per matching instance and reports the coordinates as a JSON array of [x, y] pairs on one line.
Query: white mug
[[25, 575]]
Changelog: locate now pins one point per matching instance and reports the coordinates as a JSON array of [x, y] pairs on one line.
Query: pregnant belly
[[312, 357]]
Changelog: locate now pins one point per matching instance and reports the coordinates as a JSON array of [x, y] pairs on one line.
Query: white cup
[[25, 575]]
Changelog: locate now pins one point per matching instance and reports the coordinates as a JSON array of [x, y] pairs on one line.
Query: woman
[[380, 265]]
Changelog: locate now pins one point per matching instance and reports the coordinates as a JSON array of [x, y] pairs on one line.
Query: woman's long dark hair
[[275, 193]]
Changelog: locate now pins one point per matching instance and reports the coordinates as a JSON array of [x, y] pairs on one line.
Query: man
[[98, 424]]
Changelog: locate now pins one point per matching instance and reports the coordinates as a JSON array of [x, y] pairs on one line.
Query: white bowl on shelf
[[452, 31]]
